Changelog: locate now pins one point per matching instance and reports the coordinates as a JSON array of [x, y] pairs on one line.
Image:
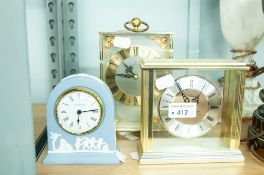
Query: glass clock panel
[[188, 106]]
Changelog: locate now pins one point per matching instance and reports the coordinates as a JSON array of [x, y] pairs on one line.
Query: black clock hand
[[125, 75], [129, 69], [125, 65], [185, 98], [92, 110], [196, 99], [78, 113]]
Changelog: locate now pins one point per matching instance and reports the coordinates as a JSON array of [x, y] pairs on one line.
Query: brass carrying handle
[[136, 23]]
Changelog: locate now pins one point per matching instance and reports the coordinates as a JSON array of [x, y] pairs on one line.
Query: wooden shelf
[[251, 165], [131, 167]]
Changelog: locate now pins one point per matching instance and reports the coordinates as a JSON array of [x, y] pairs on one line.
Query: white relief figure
[[64, 146], [54, 137], [105, 147], [92, 143], [99, 144], [78, 143], [86, 143]]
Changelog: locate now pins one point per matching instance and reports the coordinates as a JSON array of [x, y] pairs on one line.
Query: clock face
[[79, 111], [123, 73], [191, 107]]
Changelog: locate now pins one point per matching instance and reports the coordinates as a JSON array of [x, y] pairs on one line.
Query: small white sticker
[[182, 110], [121, 157], [122, 42], [134, 155], [165, 82]]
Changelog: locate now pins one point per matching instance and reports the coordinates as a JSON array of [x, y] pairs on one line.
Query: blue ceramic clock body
[[95, 147]]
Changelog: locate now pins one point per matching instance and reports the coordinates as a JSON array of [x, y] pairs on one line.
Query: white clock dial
[[79, 111], [202, 99]]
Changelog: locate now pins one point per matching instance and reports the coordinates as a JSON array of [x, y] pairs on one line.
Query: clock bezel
[[90, 92]]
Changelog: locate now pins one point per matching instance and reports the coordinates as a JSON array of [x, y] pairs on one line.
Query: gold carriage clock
[[120, 55], [199, 123]]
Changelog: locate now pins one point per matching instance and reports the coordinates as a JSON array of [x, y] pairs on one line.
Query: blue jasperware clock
[[80, 122]]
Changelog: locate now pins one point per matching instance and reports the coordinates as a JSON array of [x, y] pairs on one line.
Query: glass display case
[[191, 120]]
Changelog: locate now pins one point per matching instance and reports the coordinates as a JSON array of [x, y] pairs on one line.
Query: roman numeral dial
[[202, 97], [79, 111], [123, 73]]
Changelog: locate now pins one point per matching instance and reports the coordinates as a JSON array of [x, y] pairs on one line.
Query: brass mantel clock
[[198, 123], [120, 55]]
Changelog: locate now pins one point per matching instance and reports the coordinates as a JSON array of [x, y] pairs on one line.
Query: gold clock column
[[232, 104], [147, 110]]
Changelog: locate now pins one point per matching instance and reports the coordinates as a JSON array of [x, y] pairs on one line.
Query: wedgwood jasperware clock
[[199, 123], [121, 53], [80, 122]]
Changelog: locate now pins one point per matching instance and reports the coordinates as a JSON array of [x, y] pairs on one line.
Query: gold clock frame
[[231, 119], [164, 41]]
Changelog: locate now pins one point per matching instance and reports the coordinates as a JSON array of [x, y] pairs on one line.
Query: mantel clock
[[199, 123], [120, 55], [80, 122]]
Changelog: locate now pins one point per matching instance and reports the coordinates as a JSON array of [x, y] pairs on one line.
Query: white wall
[[17, 155], [196, 25]]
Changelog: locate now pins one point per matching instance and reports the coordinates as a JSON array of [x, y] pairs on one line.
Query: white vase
[[242, 23]]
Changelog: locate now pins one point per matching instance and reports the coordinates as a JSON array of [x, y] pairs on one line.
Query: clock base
[[81, 158], [189, 153]]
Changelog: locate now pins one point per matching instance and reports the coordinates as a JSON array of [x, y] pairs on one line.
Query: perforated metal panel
[[63, 39]]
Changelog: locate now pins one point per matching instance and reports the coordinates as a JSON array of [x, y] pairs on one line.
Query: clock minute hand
[[124, 75], [92, 110], [125, 65], [196, 99], [185, 98]]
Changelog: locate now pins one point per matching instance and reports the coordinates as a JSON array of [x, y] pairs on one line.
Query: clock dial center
[[202, 105], [128, 77]]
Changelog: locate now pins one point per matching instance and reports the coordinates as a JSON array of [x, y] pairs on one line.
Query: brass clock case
[[120, 55], [210, 129]]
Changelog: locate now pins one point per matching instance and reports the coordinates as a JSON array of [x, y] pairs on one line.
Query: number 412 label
[[182, 110]]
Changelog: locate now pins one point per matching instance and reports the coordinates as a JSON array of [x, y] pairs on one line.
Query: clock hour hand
[[185, 98], [129, 69], [78, 113]]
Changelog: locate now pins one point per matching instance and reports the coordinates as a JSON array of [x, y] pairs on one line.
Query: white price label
[[182, 110], [122, 42], [165, 82]]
